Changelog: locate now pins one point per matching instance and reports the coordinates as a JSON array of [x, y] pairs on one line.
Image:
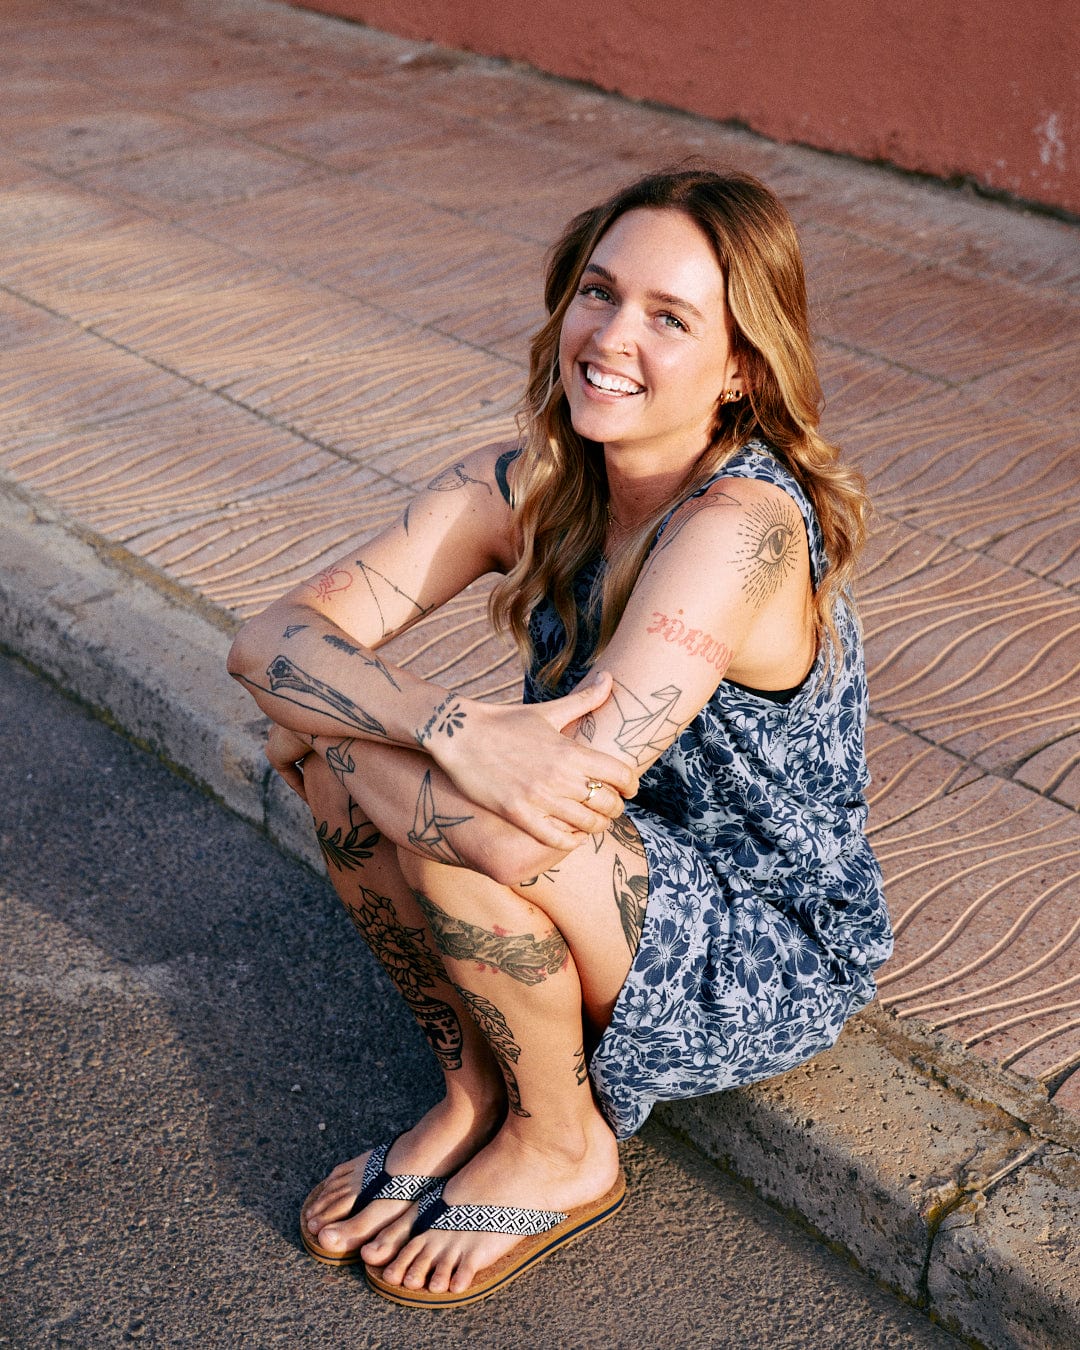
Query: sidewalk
[[263, 272]]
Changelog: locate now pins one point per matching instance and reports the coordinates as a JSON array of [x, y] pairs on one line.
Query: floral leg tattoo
[[404, 955], [348, 848], [523, 957]]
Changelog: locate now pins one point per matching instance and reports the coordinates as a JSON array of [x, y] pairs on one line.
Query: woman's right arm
[[310, 662]]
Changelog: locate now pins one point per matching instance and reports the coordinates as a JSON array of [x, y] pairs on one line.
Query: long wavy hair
[[559, 483]]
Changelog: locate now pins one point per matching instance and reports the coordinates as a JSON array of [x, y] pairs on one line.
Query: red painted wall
[[984, 89]]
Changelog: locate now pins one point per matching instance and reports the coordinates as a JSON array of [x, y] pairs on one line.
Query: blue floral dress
[[765, 918]]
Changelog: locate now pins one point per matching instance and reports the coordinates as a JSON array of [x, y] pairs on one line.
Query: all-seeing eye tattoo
[[771, 536]]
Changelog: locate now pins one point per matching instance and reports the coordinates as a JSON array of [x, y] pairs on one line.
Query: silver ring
[[594, 785]]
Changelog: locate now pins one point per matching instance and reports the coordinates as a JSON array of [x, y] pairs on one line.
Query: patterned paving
[[267, 272]]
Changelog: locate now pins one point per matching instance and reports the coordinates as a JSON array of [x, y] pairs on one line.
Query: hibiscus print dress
[[766, 917]]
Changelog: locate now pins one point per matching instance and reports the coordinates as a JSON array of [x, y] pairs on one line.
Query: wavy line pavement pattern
[[262, 274]]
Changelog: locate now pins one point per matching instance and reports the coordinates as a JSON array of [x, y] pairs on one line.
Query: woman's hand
[[286, 751], [518, 763]]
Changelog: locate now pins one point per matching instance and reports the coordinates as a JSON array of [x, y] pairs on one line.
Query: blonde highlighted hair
[[559, 483]]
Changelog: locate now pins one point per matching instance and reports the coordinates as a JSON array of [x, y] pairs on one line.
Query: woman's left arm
[[726, 591]]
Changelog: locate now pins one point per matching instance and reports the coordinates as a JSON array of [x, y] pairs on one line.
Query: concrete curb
[[956, 1185]]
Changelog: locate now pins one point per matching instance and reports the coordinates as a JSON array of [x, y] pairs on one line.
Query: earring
[[730, 396]]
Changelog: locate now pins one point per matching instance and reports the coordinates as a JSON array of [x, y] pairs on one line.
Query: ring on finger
[[594, 785]]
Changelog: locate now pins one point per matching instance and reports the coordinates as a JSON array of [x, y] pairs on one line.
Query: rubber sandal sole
[[520, 1258]]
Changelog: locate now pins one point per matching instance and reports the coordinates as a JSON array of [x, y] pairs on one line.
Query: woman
[[649, 880]]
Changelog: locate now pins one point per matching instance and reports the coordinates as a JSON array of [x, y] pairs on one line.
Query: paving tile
[[184, 459], [261, 99], [1045, 386], [970, 654], [858, 388], [205, 171], [71, 380], [245, 555], [951, 325], [990, 478], [983, 885], [102, 276], [72, 141], [360, 134], [40, 210], [838, 263], [1055, 771]]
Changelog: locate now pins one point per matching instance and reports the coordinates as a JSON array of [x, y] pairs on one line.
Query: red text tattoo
[[697, 643]]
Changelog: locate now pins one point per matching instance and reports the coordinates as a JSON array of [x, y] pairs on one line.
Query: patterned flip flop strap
[[509, 1219], [378, 1184]]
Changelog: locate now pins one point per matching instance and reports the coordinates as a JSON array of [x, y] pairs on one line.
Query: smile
[[611, 384]]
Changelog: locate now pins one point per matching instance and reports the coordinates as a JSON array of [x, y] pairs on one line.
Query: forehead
[[662, 251]]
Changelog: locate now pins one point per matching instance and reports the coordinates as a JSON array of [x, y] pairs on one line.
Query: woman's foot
[[512, 1170], [441, 1142]]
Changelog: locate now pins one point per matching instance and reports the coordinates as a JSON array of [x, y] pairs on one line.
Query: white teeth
[[611, 384]]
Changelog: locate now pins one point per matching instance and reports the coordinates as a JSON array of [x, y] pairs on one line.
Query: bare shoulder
[[473, 489], [744, 526]]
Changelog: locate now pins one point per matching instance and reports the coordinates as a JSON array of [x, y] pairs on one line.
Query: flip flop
[[542, 1231], [375, 1184]]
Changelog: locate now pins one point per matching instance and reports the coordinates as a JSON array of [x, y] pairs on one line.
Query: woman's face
[[645, 348]]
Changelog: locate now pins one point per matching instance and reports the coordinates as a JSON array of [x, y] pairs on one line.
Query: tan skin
[[505, 878]]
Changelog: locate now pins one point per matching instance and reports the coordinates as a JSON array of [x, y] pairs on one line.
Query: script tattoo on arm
[[449, 480], [631, 896], [403, 954], [495, 1030], [771, 536], [673, 630], [348, 849], [428, 834], [525, 958], [319, 697], [447, 718], [369, 658]]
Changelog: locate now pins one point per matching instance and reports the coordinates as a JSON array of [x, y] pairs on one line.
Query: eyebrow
[[662, 297]]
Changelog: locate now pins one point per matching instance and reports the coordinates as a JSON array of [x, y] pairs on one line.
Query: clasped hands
[[520, 762]]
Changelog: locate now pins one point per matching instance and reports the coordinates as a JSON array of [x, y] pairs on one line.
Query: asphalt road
[[192, 1035]]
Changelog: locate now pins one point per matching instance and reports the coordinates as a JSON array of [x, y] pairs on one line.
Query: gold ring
[[594, 785]]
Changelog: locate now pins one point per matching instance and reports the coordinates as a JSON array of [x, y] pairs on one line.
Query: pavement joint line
[[800, 1140]]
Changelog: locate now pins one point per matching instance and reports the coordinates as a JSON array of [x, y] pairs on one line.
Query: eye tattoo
[[770, 549]]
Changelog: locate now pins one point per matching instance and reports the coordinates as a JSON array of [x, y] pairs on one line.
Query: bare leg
[[514, 970], [364, 869]]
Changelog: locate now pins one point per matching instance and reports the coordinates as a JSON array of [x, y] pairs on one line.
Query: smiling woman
[[649, 879]]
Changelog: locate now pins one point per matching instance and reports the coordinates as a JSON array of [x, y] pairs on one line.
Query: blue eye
[[674, 321], [594, 291]]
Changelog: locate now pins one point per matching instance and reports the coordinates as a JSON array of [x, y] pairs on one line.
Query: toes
[[388, 1242]]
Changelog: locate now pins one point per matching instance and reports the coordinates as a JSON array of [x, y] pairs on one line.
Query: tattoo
[[647, 728], [378, 585], [293, 629], [330, 581], [453, 478], [587, 727], [522, 956], [771, 537], [403, 954], [626, 834], [697, 643], [496, 1032], [551, 872], [448, 717], [368, 658], [502, 465], [339, 759], [683, 517], [347, 850], [286, 674], [427, 835], [405, 517], [581, 1072], [631, 897]]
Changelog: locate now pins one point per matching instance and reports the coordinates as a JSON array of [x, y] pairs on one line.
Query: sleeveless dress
[[765, 918]]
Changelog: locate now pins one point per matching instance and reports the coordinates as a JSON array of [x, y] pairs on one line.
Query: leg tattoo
[[631, 896], [506, 1050], [523, 957], [404, 955]]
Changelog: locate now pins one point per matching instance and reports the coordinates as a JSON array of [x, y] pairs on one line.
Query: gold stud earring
[[731, 396]]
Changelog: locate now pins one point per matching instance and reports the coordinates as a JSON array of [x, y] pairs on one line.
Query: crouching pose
[[649, 879]]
